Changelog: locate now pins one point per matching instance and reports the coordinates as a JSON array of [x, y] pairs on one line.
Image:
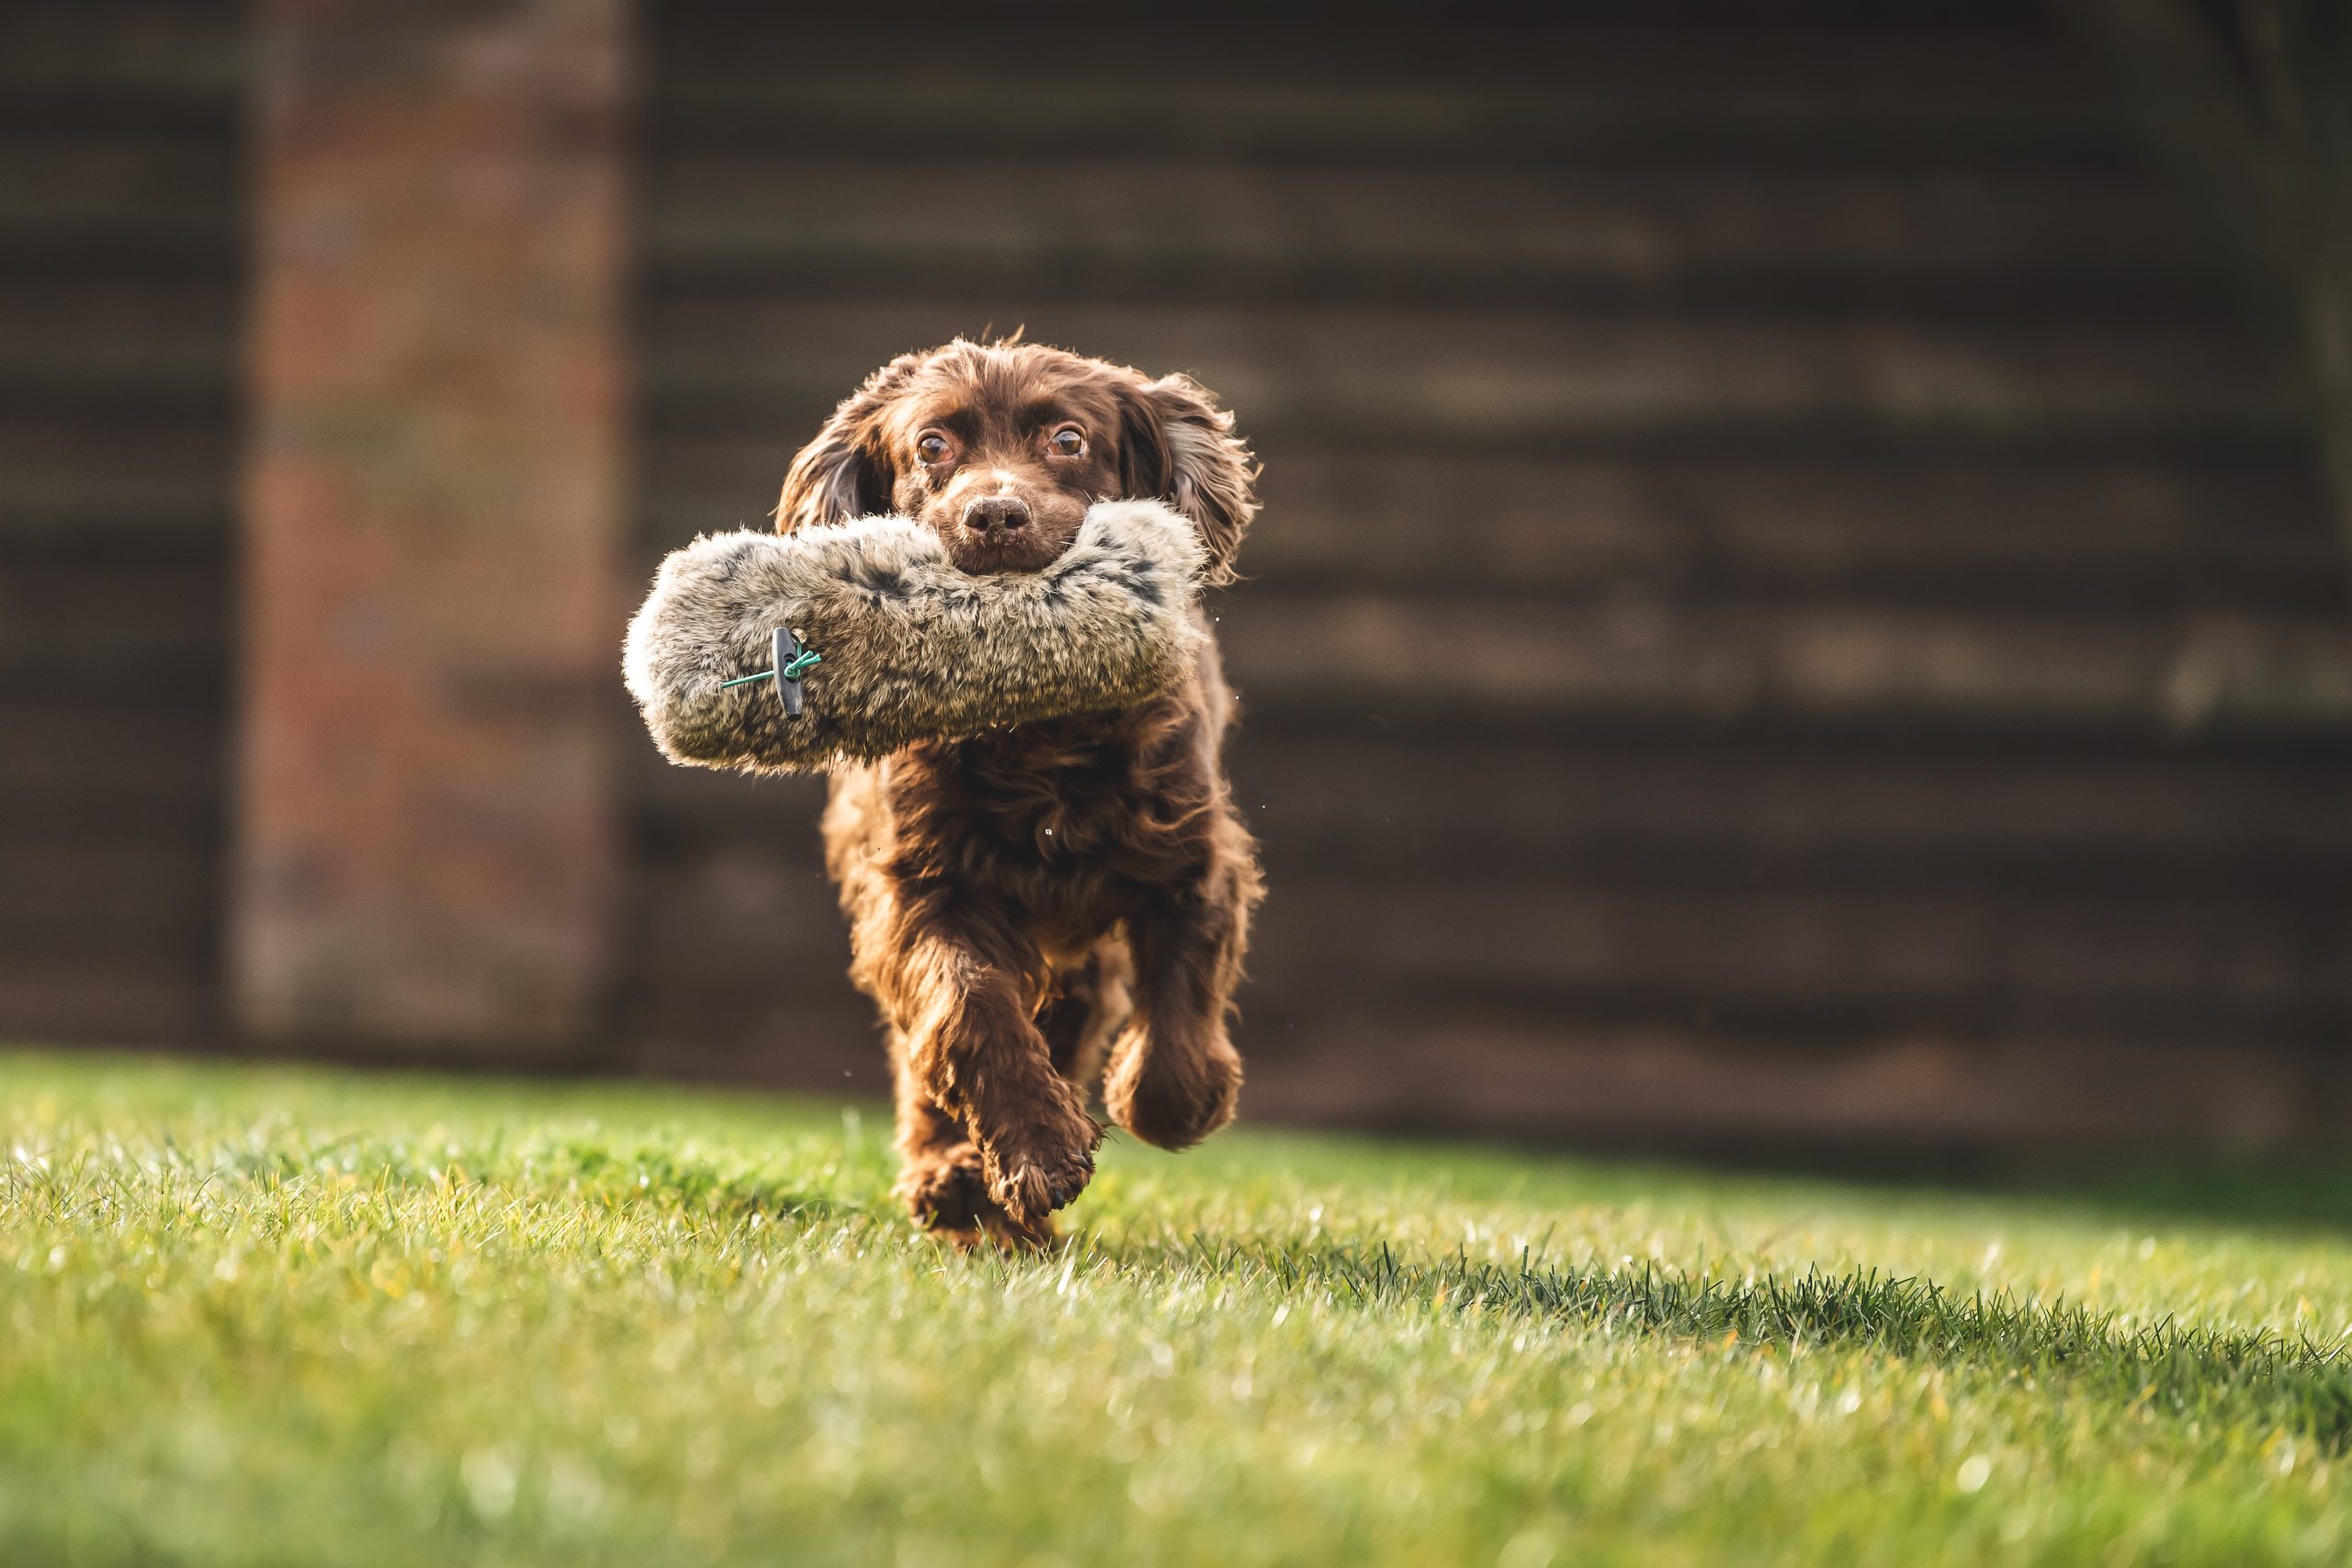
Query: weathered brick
[[435, 486]]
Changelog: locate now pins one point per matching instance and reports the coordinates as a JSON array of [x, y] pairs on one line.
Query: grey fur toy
[[912, 648]]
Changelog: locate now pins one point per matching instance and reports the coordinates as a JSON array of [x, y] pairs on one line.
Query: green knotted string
[[801, 661]]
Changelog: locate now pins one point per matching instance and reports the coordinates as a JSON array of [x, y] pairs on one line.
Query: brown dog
[[1031, 903]]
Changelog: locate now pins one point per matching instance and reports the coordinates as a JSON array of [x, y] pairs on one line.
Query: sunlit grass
[[259, 1316]]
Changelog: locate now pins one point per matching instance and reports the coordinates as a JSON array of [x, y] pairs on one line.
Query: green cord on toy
[[790, 660], [791, 672]]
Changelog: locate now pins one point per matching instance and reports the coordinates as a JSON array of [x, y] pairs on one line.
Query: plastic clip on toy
[[791, 662]]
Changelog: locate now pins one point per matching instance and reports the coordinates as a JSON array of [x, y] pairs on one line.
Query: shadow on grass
[[2292, 1383], [2278, 1195], [2281, 1196], [2268, 1197]]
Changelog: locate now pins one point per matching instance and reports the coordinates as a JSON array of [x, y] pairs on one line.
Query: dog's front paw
[[944, 1189], [1035, 1168], [1174, 1099]]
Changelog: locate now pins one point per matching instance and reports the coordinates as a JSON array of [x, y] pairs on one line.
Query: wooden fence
[[121, 247], [1792, 603]]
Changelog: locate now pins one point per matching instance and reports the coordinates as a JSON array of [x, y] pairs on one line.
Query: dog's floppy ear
[[843, 474], [1181, 446]]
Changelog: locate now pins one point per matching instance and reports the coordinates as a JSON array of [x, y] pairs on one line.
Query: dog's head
[[1001, 446]]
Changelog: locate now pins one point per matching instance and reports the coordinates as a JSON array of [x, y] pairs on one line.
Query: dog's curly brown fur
[[1056, 899]]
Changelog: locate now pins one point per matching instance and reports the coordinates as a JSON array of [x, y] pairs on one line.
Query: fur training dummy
[[906, 647]]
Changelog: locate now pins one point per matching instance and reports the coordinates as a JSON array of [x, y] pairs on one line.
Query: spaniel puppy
[[1046, 902]]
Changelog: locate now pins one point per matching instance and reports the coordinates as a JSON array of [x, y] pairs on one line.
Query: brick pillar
[[435, 485]]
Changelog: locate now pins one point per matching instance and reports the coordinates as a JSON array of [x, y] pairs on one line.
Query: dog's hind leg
[[1175, 1074], [939, 1170], [1091, 1003]]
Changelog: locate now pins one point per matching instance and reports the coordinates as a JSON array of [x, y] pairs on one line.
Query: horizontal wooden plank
[[1568, 524], [2019, 735], [2003, 47], [1737, 817], [115, 805], [828, 1042], [132, 689], [113, 483], [152, 896], [1388, 130], [133, 250], [707, 209], [142, 190], [1339, 1065], [755, 911], [1480, 382], [712, 912], [749, 1006], [1823, 963], [2099, 536], [1926, 238], [2069, 955], [189, 535], [109, 754], [1646, 657], [103, 616], [1747, 814], [158, 50], [1397, 86], [79, 333], [116, 1002], [162, 394], [664, 793], [1908, 1096], [87, 629]]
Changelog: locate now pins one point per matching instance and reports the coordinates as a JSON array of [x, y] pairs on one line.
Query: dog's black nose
[[997, 514]]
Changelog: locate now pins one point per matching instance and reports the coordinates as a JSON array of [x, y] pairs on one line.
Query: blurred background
[[1800, 607]]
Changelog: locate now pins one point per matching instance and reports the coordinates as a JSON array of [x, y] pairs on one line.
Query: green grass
[[271, 1316]]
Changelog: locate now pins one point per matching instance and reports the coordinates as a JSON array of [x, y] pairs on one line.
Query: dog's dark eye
[[931, 445], [1068, 442]]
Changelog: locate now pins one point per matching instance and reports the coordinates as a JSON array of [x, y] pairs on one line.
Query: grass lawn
[[273, 1317]]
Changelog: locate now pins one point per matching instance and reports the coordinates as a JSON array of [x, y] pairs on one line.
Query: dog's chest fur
[[1070, 825]]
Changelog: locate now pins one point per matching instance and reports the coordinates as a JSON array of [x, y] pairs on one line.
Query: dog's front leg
[[1174, 1075], [963, 1000]]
